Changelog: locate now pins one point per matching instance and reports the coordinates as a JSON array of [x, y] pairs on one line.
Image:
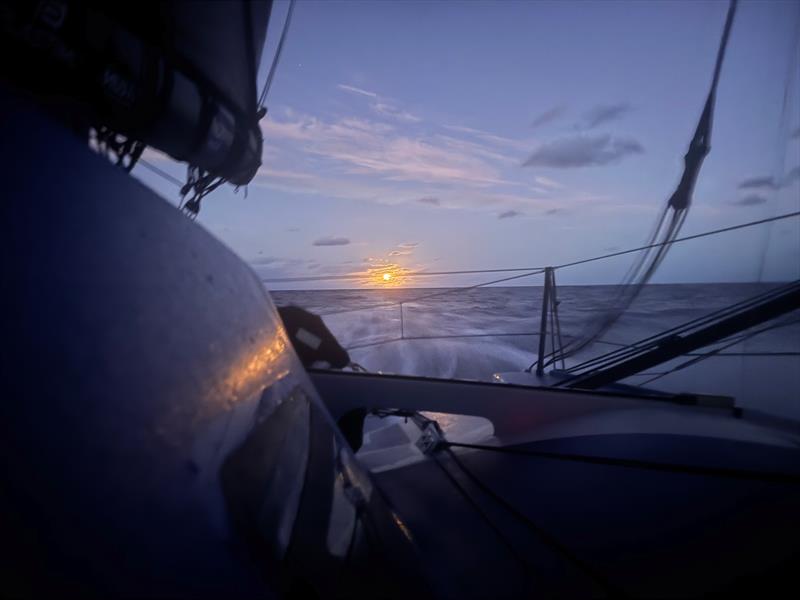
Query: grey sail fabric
[[177, 76]]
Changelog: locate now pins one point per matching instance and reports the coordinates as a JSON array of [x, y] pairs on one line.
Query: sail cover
[[179, 76]]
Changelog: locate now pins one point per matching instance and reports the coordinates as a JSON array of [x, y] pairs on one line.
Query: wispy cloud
[[547, 183], [583, 151], [408, 245], [429, 200], [331, 241], [366, 147], [490, 138], [380, 105], [548, 116], [276, 266], [399, 253], [509, 214], [751, 200], [758, 182], [769, 182], [355, 90], [264, 260], [389, 110], [554, 211], [796, 134], [603, 113]]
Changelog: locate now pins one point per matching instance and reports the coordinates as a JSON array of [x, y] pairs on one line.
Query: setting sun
[[387, 276]]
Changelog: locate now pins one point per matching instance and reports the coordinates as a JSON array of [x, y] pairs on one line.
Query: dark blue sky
[[453, 135]]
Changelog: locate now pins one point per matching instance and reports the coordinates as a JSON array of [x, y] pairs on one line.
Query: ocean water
[[473, 334]]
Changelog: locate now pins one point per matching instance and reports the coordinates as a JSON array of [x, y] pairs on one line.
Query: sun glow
[[385, 275]]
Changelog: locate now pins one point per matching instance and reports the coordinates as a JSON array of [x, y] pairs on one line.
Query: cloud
[[365, 147], [548, 183], [554, 211], [293, 229], [583, 151], [270, 267], [491, 138], [758, 182], [331, 241], [795, 134], [404, 249], [381, 106], [264, 260], [388, 110], [509, 214], [769, 182], [479, 149], [549, 116], [355, 90], [603, 113], [366, 159], [751, 200]]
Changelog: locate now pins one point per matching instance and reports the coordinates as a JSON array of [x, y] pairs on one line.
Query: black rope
[[605, 360], [627, 350], [161, 173], [522, 563], [639, 464], [706, 355], [551, 541], [199, 183]]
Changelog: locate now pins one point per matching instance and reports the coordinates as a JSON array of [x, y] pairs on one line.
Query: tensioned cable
[[535, 270], [276, 59]]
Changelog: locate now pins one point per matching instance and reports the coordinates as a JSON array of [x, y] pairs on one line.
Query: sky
[[439, 136]]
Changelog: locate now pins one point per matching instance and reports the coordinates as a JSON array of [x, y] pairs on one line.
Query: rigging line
[[783, 129], [438, 337], [539, 269], [525, 567], [629, 350], [276, 59], [472, 287], [604, 361], [681, 239], [647, 343], [437, 294], [745, 354], [163, 174], [679, 202], [706, 355], [549, 539], [638, 464], [366, 275]]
